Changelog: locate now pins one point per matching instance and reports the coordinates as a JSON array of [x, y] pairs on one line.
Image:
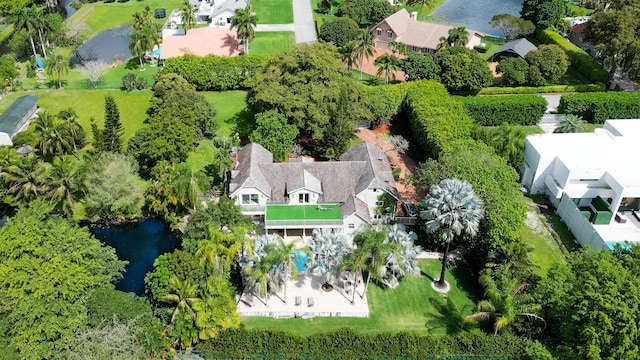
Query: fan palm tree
[[452, 208], [24, 18], [570, 124], [187, 15], [328, 249], [26, 179], [362, 47], [387, 64], [184, 295], [504, 304], [57, 66], [244, 21], [399, 263], [65, 184]]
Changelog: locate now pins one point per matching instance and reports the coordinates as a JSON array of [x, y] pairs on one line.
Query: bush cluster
[[514, 109], [131, 81], [580, 60], [494, 90], [384, 101], [599, 106], [211, 72], [348, 344], [436, 118]]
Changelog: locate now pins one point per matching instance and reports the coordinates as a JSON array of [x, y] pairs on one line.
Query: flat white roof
[[613, 149]]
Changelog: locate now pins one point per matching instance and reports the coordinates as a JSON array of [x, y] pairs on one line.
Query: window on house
[[352, 226], [389, 34], [413, 48], [376, 216], [250, 199], [303, 198], [379, 203], [378, 32]]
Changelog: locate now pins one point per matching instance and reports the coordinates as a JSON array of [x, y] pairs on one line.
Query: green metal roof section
[[11, 119]]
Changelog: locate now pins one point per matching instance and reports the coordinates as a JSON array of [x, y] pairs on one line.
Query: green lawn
[[413, 306], [590, 127], [273, 11], [302, 212], [272, 42], [90, 103], [544, 250], [492, 44], [231, 108]]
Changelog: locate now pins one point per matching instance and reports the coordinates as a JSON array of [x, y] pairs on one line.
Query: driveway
[[303, 24]]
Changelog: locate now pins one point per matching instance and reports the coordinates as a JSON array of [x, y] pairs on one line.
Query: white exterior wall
[[369, 196], [262, 198], [221, 19], [295, 200], [358, 224], [5, 139]]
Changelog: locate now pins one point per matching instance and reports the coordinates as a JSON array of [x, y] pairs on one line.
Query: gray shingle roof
[[247, 172], [378, 172], [520, 47], [353, 205]]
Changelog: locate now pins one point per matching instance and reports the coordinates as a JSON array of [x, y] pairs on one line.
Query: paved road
[[303, 23]]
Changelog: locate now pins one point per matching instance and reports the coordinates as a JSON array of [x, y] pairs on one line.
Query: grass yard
[[590, 127], [100, 16], [90, 103], [302, 212], [273, 11], [492, 45], [413, 306], [544, 249], [272, 42], [231, 108]]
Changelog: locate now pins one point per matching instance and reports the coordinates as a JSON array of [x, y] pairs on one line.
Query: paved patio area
[[333, 303]]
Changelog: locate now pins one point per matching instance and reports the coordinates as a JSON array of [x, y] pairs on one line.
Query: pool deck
[[305, 287]]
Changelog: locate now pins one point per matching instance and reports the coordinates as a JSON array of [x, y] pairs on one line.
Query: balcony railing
[[406, 220], [252, 208], [306, 223]]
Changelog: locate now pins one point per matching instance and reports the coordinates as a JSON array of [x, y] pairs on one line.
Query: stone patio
[[313, 301]]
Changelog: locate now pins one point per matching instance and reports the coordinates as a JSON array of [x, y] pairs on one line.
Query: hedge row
[[580, 60], [348, 344], [499, 90], [514, 109], [436, 118], [216, 72], [385, 101], [600, 106]]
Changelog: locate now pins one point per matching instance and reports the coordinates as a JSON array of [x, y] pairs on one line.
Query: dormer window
[[378, 32], [303, 198], [389, 34]]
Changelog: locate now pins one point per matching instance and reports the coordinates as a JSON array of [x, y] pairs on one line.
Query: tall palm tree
[[24, 18], [213, 250], [328, 250], [258, 269], [187, 15], [74, 129], [244, 21], [142, 41], [65, 184], [570, 124], [57, 66], [373, 247], [40, 23], [504, 304], [452, 208], [363, 47], [184, 295], [26, 179], [456, 37], [387, 64], [346, 55], [282, 256], [398, 47], [143, 18]]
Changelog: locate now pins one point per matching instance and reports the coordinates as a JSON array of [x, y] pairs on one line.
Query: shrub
[[216, 72], [599, 106], [514, 71], [542, 89], [514, 109], [339, 31], [131, 81], [580, 60], [396, 173], [384, 101]]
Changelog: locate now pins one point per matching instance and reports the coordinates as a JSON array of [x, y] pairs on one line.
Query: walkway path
[[303, 24], [274, 27]]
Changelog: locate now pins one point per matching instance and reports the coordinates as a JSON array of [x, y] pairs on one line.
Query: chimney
[[413, 16]]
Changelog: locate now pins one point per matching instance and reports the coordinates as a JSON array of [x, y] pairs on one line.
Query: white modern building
[[295, 197], [591, 178]]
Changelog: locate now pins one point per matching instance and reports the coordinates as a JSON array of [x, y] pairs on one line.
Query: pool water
[[139, 244], [300, 260]]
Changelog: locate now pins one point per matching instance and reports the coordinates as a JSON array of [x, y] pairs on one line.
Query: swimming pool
[[300, 260]]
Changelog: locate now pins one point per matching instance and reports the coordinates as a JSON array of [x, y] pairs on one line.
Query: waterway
[[476, 14], [139, 244], [109, 46]]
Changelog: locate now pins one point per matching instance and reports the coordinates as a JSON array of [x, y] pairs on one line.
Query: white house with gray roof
[[301, 195]]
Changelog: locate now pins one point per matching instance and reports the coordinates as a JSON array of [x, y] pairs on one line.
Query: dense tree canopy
[[543, 13], [514, 71], [48, 268], [462, 69], [339, 31], [547, 64], [304, 84], [366, 11], [511, 26], [274, 133], [418, 66]]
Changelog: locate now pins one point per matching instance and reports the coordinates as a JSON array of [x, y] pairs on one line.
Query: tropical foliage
[[328, 249], [570, 124], [244, 21]]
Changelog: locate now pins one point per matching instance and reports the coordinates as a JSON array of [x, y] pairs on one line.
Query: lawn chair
[[298, 300], [310, 302]]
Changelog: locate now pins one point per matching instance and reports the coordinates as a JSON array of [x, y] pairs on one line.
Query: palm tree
[[143, 41], [387, 64], [183, 294], [57, 65], [398, 47], [328, 250], [244, 21], [26, 179], [218, 310], [399, 263], [452, 208], [363, 47], [282, 255], [508, 141], [143, 18], [70, 118], [346, 54], [258, 269], [24, 18], [40, 22], [65, 184], [187, 15], [54, 137], [457, 37], [570, 124], [213, 251], [503, 305]]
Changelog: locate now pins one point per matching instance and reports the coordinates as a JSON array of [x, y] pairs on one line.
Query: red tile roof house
[[417, 35], [576, 36], [202, 41]]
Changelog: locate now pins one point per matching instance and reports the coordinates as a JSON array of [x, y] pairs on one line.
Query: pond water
[[108, 45], [66, 10], [140, 244], [476, 14]]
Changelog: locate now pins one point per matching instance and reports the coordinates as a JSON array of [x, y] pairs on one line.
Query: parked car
[[410, 208]]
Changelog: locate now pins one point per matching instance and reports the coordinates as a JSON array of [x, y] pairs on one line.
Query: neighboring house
[[576, 36], [417, 35], [591, 179], [219, 12], [516, 48], [201, 41], [16, 118], [301, 195]]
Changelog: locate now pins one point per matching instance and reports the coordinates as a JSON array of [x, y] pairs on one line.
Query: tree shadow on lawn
[[243, 123], [465, 280], [446, 315]]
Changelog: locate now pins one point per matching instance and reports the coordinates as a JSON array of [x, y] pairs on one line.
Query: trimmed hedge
[[495, 90], [580, 60], [599, 106], [348, 344], [385, 101], [436, 117], [216, 72], [514, 109]]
